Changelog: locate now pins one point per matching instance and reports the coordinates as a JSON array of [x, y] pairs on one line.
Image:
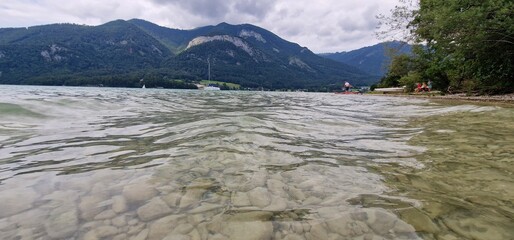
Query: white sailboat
[[210, 87]]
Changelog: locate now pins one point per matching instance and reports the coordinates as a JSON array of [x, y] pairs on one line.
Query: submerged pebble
[[123, 164]]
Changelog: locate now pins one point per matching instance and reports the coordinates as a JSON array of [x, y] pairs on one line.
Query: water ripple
[[217, 157]]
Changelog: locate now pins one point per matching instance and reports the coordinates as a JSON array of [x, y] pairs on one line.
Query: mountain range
[[373, 60], [135, 52]]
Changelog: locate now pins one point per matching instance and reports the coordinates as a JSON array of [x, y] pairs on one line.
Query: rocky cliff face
[[238, 42]]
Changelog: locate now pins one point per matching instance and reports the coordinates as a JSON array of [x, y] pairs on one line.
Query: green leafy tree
[[401, 66], [411, 80], [469, 45], [477, 39]]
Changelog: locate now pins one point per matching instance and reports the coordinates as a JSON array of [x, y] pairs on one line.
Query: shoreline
[[502, 99]]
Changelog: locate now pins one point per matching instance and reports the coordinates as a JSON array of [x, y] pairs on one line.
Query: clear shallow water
[[100, 163]]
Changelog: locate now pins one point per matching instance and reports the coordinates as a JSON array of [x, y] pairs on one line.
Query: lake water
[[104, 163]]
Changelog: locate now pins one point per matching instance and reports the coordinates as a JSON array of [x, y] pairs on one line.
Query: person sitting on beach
[[429, 85], [418, 87], [424, 87]]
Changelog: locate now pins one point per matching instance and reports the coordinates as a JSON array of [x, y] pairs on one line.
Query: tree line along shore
[[463, 47]]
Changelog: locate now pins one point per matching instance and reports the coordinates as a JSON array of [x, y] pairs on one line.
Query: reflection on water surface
[[88, 163]]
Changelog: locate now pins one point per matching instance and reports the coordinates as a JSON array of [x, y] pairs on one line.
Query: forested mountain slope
[[126, 53]]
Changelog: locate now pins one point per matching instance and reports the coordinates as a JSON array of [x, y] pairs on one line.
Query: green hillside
[[128, 53]]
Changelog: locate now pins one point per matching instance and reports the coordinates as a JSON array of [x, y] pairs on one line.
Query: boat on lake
[[212, 87]]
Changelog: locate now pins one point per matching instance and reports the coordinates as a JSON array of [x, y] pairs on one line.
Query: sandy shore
[[506, 98]]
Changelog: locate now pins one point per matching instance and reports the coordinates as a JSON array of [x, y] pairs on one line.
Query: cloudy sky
[[320, 25]]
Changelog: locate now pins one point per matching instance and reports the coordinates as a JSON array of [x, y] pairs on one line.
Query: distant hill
[[373, 60], [131, 53]]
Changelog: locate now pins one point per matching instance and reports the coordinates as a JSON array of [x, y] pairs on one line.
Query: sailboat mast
[[209, 67]]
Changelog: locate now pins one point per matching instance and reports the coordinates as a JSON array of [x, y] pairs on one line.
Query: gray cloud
[[322, 26], [258, 9], [220, 9], [213, 9]]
